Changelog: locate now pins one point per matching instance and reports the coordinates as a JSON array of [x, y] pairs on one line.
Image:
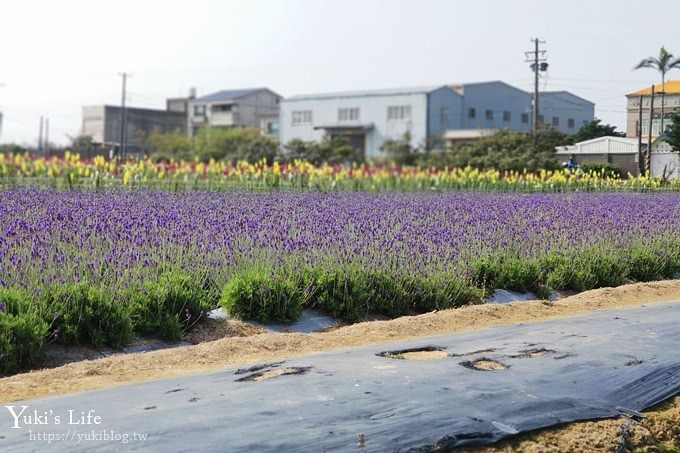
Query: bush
[[22, 341], [262, 295], [170, 304], [86, 314], [14, 301], [504, 150], [507, 272], [22, 331], [604, 169]]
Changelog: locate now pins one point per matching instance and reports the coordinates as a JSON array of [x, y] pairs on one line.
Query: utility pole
[[40, 135], [123, 118], [648, 154], [538, 63], [639, 137], [46, 140]]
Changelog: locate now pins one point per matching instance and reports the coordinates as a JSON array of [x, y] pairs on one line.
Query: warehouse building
[[368, 118]]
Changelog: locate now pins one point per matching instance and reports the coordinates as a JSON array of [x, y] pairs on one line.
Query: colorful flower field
[[99, 266], [74, 172]]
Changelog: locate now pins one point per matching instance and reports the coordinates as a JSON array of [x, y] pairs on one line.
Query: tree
[[400, 150], [506, 150], [664, 63], [672, 135], [596, 129], [168, 146], [331, 150], [233, 144], [81, 141]]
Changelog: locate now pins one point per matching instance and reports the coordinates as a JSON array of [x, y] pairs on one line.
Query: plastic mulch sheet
[[479, 387]]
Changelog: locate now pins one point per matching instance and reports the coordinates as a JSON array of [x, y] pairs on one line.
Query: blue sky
[[57, 56]]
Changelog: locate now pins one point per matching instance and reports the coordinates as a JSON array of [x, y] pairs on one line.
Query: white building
[[664, 162], [368, 118], [618, 151], [232, 108]]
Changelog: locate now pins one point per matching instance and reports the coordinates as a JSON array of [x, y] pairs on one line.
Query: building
[[633, 108], [103, 124], [664, 162], [368, 118], [232, 108], [498, 105], [565, 111], [618, 151], [180, 104], [460, 136]]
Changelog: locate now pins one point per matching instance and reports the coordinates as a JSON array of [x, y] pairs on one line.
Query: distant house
[[633, 108], [366, 119], [103, 124], [233, 108], [618, 151]]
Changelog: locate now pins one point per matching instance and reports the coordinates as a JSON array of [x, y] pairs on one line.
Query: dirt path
[[597, 436]]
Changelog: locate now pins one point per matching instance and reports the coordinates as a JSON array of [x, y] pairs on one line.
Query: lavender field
[[98, 267]]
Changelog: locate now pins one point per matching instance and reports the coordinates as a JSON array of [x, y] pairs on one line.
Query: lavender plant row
[[269, 255]]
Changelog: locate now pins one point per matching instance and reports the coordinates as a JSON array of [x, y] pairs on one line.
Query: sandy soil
[[660, 431]]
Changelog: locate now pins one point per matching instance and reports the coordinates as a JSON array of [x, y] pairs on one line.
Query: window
[[444, 115], [472, 113], [199, 110], [525, 118], [399, 112], [571, 123], [351, 114], [585, 122], [221, 108], [272, 127], [301, 117], [540, 119], [488, 114], [556, 121], [506, 116]]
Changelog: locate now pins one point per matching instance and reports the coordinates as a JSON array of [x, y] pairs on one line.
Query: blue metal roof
[[227, 95]]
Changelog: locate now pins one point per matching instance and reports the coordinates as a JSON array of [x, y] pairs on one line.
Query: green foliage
[[507, 272], [605, 169], [400, 150], [164, 147], [81, 141], [14, 301], [86, 314], [22, 341], [505, 150], [352, 294], [262, 295], [12, 148], [233, 144], [596, 129], [349, 294], [170, 304], [672, 134], [331, 150]]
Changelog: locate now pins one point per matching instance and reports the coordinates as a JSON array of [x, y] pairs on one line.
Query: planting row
[[97, 267], [82, 313], [73, 172]]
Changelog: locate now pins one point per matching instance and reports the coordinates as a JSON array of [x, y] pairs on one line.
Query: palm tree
[[664, 63]]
